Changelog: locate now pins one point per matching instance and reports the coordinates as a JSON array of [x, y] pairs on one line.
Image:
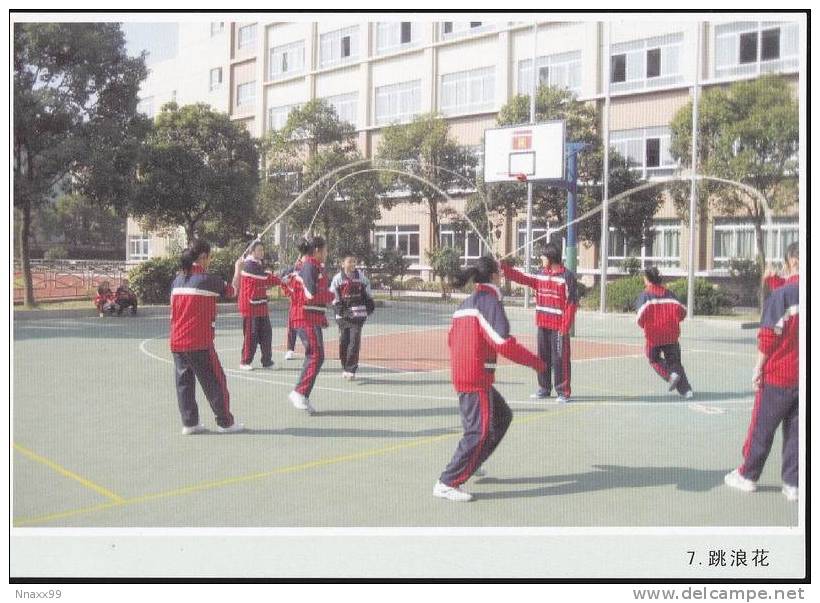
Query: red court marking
[[427, 350]]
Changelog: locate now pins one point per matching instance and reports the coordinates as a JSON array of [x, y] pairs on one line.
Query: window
[[146, 106], [345, 106], [648, 63], [278, 116], [452, 29], [660, 247], [339, 46], [287, 60], [749, 47], [539, 229], [245, 94], [647, 150], [397, 102], [468, 243], [139, 247], [217, 27], [215, 79], [247, 36], [403, 238], [474, 24], [467, 91], [557, 70], [394, 36], [448, 27], [735, 239]]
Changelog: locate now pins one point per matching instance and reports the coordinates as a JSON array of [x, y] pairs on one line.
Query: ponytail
[[481, 272], [191, 255], [306, 247]]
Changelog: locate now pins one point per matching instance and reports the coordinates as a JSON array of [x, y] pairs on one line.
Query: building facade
[[381, 73]]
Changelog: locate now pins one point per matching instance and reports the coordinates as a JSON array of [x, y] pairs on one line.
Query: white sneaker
[[193, 429], [235, 428], [673, 381], [455, 494], [351, 376], [102, 315], [245, 367], [298, 400], [737, 481], [345, 375], [790, 492], [290, 355], [563, 400], [689, 395]]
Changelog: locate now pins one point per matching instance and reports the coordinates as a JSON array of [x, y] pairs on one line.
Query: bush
[[746, 275], [446, 264], [58, 252], [709, 299], [222, 260], [632, 266], [151, 280], [620, 294]]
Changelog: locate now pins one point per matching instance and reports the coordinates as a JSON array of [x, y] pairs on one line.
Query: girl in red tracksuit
[[194, 293], [479, 332], [556, 301], [290, 352], [311, 295], [253, 306], [105, 300], [660, 314]]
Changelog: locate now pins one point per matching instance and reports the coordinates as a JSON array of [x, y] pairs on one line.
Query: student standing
[[287, 291], [776, 382], [478, 333], [353, 303], [556, 301], [311, 295], [659, 315], [194, 293], [253, 306]]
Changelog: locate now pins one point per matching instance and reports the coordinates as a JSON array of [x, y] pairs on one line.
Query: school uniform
[[659, 315], [253, 306], [286, 276], [193, 324], [311, 294], [105, 301], [352, 302], [776, 401], [556, 302], [125, 298], [478, 333]]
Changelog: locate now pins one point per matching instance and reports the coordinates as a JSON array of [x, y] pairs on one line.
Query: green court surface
[[97, 438]]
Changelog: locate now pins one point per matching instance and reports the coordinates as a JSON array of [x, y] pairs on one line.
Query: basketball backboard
[[534, 150]]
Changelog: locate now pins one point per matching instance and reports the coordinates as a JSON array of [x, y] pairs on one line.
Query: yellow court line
[[66, 473], [211, 485]]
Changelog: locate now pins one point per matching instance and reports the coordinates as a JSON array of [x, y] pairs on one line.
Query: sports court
[[97, 432]]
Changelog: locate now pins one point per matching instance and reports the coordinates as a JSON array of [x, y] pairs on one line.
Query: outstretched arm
[[495, 328], [518, 276]]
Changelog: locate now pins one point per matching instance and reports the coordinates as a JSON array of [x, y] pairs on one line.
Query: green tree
[[199, 170], [421, 147], [75, 119], [747, 132], [391, 264], [81, 224], [632, 216], [446, 263]]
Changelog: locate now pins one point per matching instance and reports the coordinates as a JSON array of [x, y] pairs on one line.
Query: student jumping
[[253, 306], [194, 294], [478, 333], [309, 302], [353, 303], [776, 382], [659, 315], [556, 301]]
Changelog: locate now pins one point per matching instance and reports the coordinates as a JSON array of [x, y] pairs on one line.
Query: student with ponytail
[[194, 293], [253, 306], [478, 333]]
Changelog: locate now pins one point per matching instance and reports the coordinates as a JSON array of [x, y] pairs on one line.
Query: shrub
[[620, 294], [746, 275], [632, 266], [709, 299], [446, 264], [151, 280], [222, 260]]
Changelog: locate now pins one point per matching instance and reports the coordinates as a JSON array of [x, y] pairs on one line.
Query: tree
[[632, 216], [199, 170], [749, 133], [81, 225], [391, 264], [420, 147], [75, 119], [446, 263]]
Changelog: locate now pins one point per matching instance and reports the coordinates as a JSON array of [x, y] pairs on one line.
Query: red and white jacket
[[479, 332], [310, 294], [556, 295], [287, 287], [253, 288], [104, 297], [193, 309], [778, 335], [659, 314]]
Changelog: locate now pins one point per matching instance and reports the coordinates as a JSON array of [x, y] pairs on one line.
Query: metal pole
[[603, 260], [693, 192], [528, 250]]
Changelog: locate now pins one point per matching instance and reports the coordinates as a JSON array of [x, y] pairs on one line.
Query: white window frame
[[539, 229], [467, 92], [214, 85], [460, 240], [388, 100], [293, 54], [463, 28], [635, 51], [397, 232], [220, 27], [620, 140], [727, 48], [249, 37], [279, 115], [330, 46], [250, 100], [662, 228], [346, 106], [139, 247], [388, 36], [777, 250], [569, 61]]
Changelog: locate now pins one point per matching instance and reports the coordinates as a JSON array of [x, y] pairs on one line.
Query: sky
[[159, 39]]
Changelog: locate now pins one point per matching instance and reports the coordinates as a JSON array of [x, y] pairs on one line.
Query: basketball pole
[[528, 250]]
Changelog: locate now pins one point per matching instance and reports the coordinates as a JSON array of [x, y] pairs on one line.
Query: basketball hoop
[[520, 177]]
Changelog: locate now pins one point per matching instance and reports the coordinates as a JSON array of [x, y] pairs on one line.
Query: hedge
[[621, 295], [151, 280]]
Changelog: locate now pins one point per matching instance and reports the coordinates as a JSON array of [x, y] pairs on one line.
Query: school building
[[380, 73]]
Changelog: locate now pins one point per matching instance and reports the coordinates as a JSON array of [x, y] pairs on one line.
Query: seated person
[[125, 298], [106, 300]]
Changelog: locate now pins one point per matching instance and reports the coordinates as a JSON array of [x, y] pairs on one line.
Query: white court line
[[357, 392]]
